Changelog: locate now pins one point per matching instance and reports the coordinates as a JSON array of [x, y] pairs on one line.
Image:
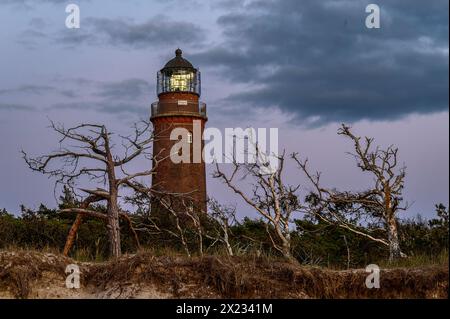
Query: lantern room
[[179, 75]]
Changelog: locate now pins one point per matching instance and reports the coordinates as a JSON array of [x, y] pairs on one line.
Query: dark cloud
[[124, 97], [74, 38], [37, 90], [127, 89], [38, 23], [31, 1], [29, 4], [76, 81], [68, 93], [105, 106], [31, 38], [28, 89], [15, 107], [126, 33], [127, 96], [317, 61]]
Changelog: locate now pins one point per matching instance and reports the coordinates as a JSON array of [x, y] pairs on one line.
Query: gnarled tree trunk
[[113, 206], [392, 234], [114, 231], [72, 233]]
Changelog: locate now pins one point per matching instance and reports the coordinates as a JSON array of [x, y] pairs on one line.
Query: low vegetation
[[313, 242]]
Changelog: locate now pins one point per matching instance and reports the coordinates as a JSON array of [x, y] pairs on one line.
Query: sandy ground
[[28, 274]]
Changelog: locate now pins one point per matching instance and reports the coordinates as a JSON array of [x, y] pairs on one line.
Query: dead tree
[[223, 217], [86, 156], [274, 200], [327, 205], [380, 202], [384, 198], [180, 207], [179, 216]]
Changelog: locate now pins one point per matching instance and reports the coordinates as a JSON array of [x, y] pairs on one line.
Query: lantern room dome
[[178, 62]]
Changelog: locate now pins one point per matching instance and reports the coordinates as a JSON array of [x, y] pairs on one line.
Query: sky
[[303, 67]]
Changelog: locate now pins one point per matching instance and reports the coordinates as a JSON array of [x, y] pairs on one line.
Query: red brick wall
[[182, 177]]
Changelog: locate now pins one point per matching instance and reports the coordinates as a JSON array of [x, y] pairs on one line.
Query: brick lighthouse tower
[[178, 106]]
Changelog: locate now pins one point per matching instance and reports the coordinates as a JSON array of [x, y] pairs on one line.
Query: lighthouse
[[179, 106]]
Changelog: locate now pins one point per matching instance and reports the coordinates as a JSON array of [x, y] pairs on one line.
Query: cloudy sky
[[303, 67]]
